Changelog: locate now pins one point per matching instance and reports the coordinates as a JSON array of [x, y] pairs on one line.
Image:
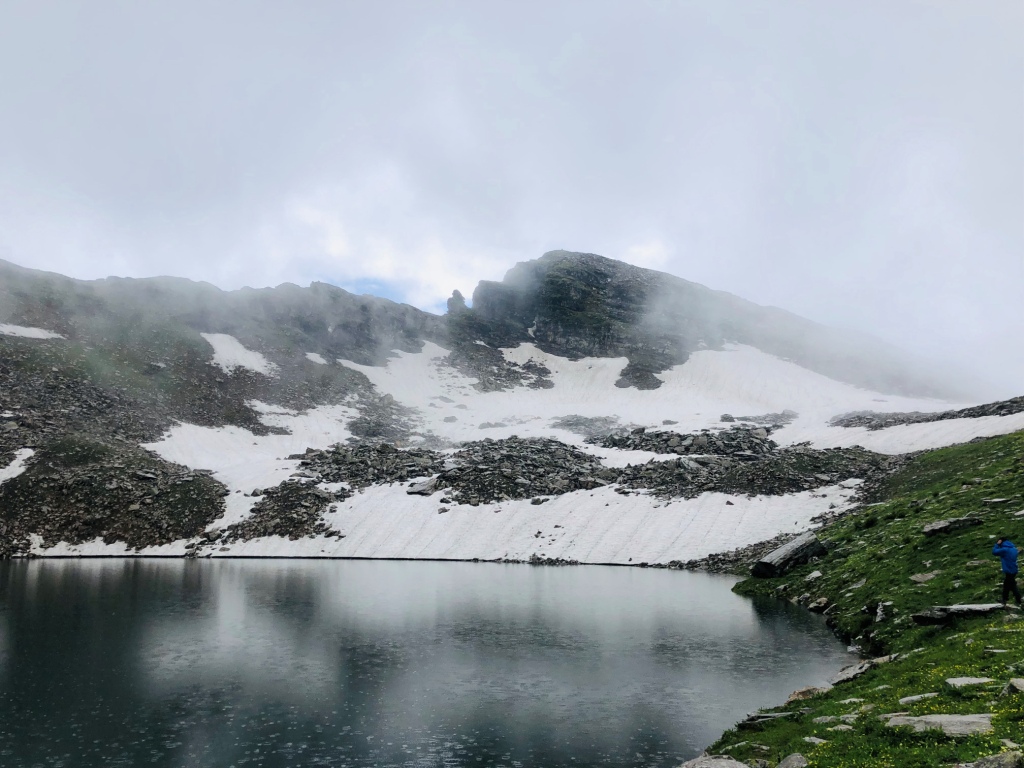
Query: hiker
[[1006, 552]]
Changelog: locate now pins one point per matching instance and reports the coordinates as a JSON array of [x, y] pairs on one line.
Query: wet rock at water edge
[[760, 718], [856, 670], [788, 556]]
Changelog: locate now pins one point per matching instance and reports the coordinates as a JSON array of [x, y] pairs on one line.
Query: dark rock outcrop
[[79, 488], [583, 305], [874, 420]]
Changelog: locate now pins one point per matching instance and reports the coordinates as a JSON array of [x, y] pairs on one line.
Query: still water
[[382, 663]]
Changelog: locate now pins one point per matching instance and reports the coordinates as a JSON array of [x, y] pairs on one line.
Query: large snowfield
[[598, 526]]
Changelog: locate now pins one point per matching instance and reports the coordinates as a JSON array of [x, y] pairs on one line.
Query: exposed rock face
[[490, 368], [873, 420], [581, 305]]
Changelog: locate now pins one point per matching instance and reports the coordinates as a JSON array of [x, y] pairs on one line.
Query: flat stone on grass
[[961, 682], [918, 697], [951, 725]]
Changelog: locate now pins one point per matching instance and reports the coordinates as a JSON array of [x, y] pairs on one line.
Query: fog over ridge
[[861, 167]]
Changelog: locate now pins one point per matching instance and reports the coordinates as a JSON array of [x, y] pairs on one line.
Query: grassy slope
[[883, 546]]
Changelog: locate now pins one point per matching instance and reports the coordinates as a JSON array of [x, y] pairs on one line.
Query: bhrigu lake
[[383, 663]]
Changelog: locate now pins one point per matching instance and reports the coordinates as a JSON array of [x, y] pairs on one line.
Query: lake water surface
[[382, 663]]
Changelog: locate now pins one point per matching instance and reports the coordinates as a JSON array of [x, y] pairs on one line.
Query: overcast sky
[[858, 163]]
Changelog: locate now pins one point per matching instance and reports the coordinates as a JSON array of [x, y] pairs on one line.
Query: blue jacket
[[1008, 554]]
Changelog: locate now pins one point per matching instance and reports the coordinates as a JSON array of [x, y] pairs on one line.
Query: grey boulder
[[948, 526], [788, 556], [951, 725]]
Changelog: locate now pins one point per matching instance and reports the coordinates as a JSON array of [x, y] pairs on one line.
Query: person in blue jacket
[[1006, 552]]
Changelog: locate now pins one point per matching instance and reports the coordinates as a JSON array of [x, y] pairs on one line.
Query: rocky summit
[[162, 416]]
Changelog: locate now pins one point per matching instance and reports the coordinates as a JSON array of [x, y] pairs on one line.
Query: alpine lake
[[137, 662]]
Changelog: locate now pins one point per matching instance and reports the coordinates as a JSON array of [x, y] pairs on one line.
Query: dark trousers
[[1010, 585]]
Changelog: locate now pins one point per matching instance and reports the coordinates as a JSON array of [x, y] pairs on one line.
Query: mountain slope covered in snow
[[581, 410]]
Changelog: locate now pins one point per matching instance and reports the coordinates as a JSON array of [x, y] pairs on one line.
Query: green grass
[[872, 555]]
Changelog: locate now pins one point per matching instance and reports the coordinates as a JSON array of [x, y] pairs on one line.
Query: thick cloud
[[861, 164]]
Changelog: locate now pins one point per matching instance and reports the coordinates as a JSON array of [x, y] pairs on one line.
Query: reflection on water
[[376, 663]]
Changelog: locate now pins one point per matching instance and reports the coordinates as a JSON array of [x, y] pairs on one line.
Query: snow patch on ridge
[[903, 438], [98, 548], [598, 526], [26, 332], [18, 465], [739, 380], [243, 461], [316, 357], [228, 354]]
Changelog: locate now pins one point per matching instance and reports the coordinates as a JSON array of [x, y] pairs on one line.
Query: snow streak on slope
[[27, 333], [740, 380], [316, 357], [244, 461], [598, 526], [17, 466], [228, 354]]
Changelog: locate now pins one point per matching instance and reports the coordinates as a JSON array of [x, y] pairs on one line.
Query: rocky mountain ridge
[[94, 374]]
